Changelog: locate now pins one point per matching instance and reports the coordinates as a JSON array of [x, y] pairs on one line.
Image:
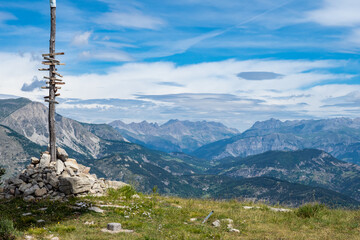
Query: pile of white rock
[[56, 180]]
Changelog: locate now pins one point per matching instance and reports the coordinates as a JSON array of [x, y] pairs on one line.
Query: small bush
[[7, 229], [310, 210]]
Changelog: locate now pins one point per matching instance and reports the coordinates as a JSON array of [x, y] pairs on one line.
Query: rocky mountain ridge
[[30, 120], [310, 167], [174, 135], [339, 137]]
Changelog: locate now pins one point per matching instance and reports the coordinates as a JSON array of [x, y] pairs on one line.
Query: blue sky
[[236, 62]]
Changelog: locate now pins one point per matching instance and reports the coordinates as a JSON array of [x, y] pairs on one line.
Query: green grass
[[160, 217]]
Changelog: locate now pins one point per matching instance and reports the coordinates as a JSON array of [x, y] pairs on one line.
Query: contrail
[[216, 33]]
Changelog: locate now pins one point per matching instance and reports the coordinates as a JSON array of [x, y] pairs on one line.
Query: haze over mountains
[[140, 153]]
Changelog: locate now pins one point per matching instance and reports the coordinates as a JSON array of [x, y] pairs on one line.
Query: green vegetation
[[7, 230], [158, 217]]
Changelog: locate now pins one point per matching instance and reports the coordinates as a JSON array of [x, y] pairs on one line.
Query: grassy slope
[[157, 217]]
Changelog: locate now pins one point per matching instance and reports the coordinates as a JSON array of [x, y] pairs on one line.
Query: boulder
[[23, 187], [61, 154], [16, 181], [44, 160], [71, 163], [83, 169], [59, 167], [31, 190], [74, 185], [35, 160], [54, 181], [40, 192]]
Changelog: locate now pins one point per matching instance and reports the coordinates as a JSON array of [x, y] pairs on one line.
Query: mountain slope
[[340, 137], [15, 150], [174, 135], [31, 121], [309, 167], [267, 189]]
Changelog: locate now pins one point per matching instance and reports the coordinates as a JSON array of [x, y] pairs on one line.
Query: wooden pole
[[52, 136]]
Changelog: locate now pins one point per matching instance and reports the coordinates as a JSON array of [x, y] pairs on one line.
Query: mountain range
[[174, 135], [339, 137], [290, 177]]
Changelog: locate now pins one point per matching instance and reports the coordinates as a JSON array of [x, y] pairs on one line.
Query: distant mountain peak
[[268, 124]]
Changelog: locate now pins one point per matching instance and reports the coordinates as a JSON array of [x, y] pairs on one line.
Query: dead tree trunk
[[54, 79], [52, 136]]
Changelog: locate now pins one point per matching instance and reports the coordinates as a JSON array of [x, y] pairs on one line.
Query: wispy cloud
[[81, 39], [134, 19], [6, 16]]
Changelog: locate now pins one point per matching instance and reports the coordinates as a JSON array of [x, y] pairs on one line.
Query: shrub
[[7, 229], [310, 210]]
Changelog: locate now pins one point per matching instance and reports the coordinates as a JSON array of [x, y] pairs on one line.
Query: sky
[[231, 61]]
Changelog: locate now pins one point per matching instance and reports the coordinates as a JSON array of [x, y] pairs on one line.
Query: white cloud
[[111, 56], [81, 39], [209, 91], [134, 19], [337, 13]]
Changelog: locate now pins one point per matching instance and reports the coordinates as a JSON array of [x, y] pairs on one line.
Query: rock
[[27, 237], [216, 223], [40, 192], [280, 209], [31, 190], [35, 160], [71, 163], [65, 174], [83, 169], [24, 177], [114, 226], [27, 214], [23, 187], [54, 181], [44, 160], [96, 209], [43, 209], [234, 230], [61, 154], [59, 167], [17, 192], [89, 223], [193, 219], [40, 221], [74, 185], [16, 181]]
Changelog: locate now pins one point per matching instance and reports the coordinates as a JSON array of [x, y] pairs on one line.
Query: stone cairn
[[43, 179]]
